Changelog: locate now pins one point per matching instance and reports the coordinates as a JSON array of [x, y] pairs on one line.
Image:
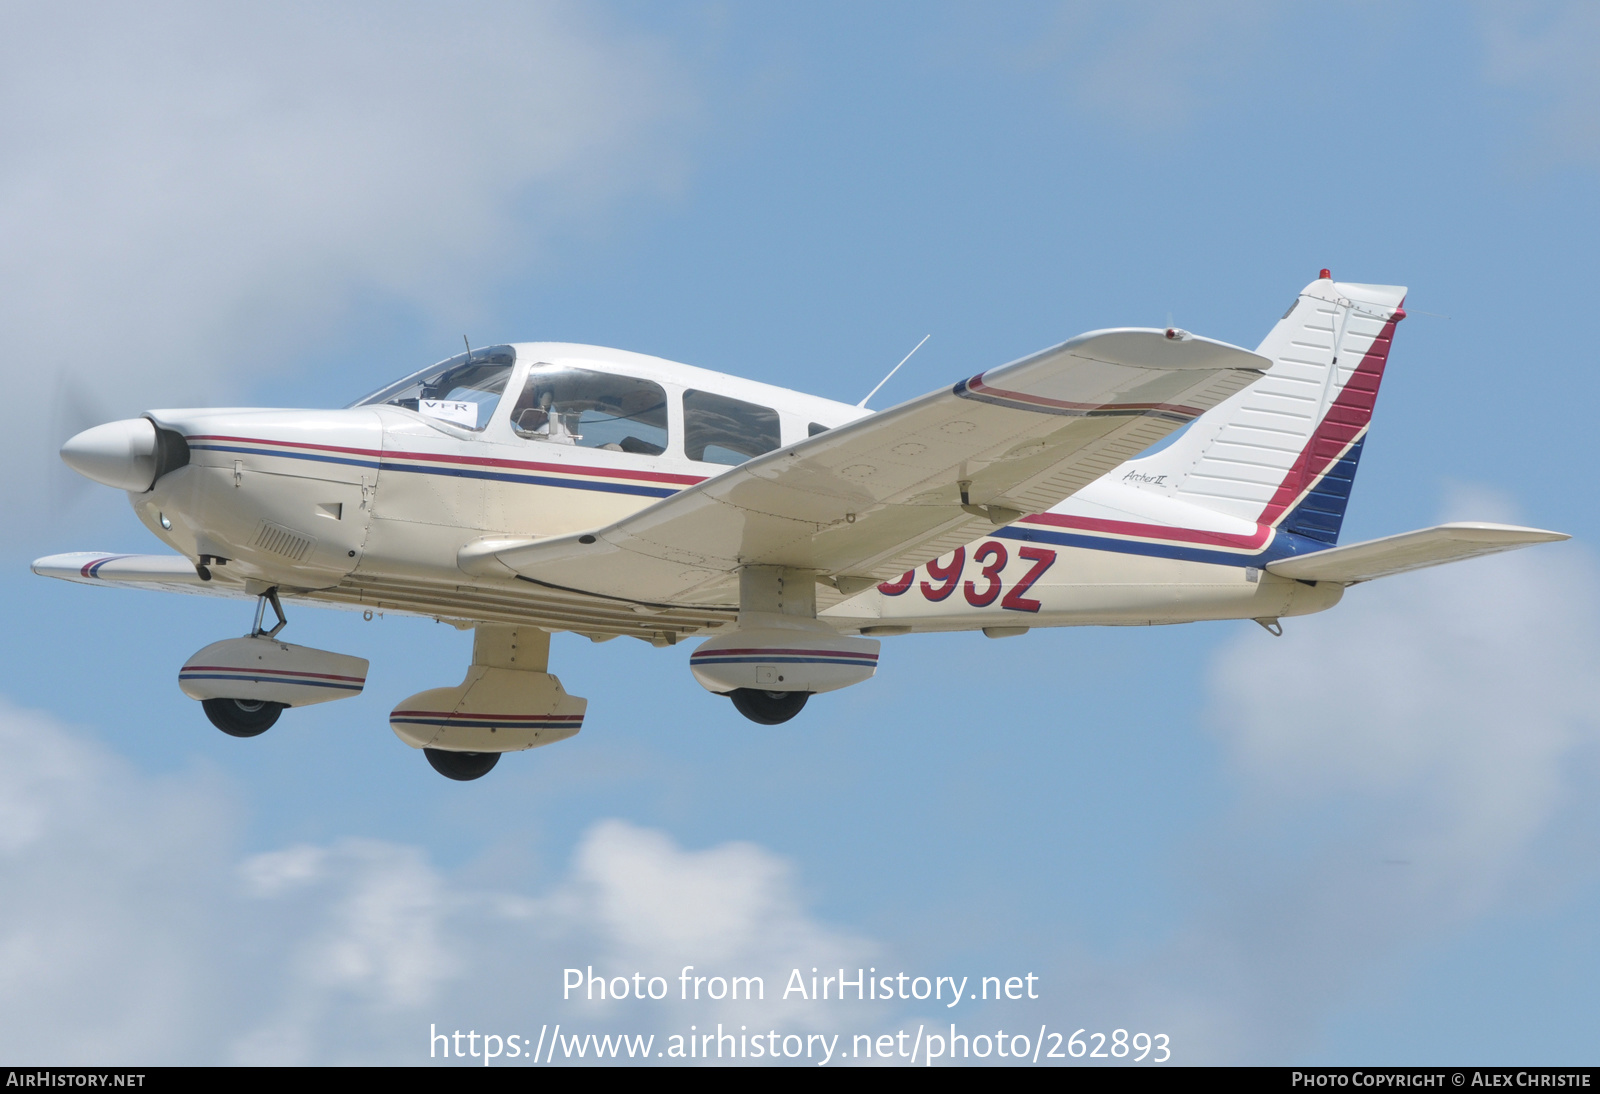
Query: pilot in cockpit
[[537, 421]]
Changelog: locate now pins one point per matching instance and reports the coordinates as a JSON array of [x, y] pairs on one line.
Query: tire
[[769, 708], [463, 767], [242, 717]]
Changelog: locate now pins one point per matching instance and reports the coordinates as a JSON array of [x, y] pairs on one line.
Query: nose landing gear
[[243, 684]]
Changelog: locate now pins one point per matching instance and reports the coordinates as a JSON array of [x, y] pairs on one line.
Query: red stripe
[[1249, 542], [273, 672], [977, 384], [92, 563], [828, 653], [471, 461], [486, 717], [1343, 424]]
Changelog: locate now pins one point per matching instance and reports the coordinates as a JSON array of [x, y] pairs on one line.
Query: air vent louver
[[284, 541]]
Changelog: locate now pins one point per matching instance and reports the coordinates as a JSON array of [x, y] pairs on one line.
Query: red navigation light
[[1325, 275]]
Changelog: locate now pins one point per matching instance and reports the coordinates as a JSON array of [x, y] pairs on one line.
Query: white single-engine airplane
[[540, 487]]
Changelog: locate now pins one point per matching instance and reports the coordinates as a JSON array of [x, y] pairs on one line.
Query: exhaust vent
[[284, 542]]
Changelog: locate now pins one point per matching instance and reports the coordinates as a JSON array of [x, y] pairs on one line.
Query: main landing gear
[[779, 655], [508, 702]]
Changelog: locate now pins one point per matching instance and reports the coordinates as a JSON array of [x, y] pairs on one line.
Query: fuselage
[[372, 505]]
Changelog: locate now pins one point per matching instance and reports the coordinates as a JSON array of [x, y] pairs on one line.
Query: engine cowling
[[783, 659]]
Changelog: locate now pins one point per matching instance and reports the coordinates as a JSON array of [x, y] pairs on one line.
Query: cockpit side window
[[592, 409], [462, 391], [717, 429]]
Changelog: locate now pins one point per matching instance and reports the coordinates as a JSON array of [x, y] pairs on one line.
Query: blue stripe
[[1283, 545], [469, 723], [459, 472], [268, 680], [1320, 513], [537, 480], [712, 659], [285, 455], [94, 571]]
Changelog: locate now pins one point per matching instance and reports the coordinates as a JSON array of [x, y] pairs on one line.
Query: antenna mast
[[863, 403]]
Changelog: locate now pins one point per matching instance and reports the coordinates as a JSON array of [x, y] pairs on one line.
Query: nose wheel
[[249, 717], [242, 717]]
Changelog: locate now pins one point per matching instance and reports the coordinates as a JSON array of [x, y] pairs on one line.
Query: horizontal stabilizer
[[1410, 551]]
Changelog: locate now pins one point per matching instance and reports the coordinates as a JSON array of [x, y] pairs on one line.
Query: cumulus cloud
[[132, 932], [1151, 67], [97, 944], [192, 192], [1544, 53]]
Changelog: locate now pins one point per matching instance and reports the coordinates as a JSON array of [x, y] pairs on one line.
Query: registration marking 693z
[[981, 591]]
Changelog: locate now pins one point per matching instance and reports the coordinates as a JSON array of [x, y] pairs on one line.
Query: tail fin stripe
[[1339, 430]]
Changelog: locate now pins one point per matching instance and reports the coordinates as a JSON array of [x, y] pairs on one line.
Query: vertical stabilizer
[[1283, 452]]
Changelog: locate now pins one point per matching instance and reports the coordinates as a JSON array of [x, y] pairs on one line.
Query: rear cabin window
[[592, 409], [717, 429]]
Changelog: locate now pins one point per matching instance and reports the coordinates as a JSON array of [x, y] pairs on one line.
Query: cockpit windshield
[[462, 391]]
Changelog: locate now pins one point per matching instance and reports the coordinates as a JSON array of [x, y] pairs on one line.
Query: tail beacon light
[[783, 659], [262, 669]]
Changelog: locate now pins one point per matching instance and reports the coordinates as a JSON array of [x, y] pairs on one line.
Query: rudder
[[1284, 451]]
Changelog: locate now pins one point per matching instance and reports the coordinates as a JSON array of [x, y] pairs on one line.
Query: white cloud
[[1545, 52], [1149, 67], [661, 905], [130, 933], [189, 192], [1409, 763], [109, 881]]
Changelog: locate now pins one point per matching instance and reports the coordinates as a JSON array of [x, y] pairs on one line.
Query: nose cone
[[120, 454]]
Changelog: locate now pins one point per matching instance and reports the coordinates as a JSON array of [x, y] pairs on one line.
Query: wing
[[1409, 551], [871, 499], [170, 573]]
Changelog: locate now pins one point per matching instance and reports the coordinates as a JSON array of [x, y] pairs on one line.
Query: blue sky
[[1369, 841]]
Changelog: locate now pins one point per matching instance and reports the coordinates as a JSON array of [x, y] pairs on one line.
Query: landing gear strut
[[769, 708], [250, 717], [508, 702], [268, 597], [245, 683]]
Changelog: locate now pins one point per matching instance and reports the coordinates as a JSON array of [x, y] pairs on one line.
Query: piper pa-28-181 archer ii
[[525, 489]]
